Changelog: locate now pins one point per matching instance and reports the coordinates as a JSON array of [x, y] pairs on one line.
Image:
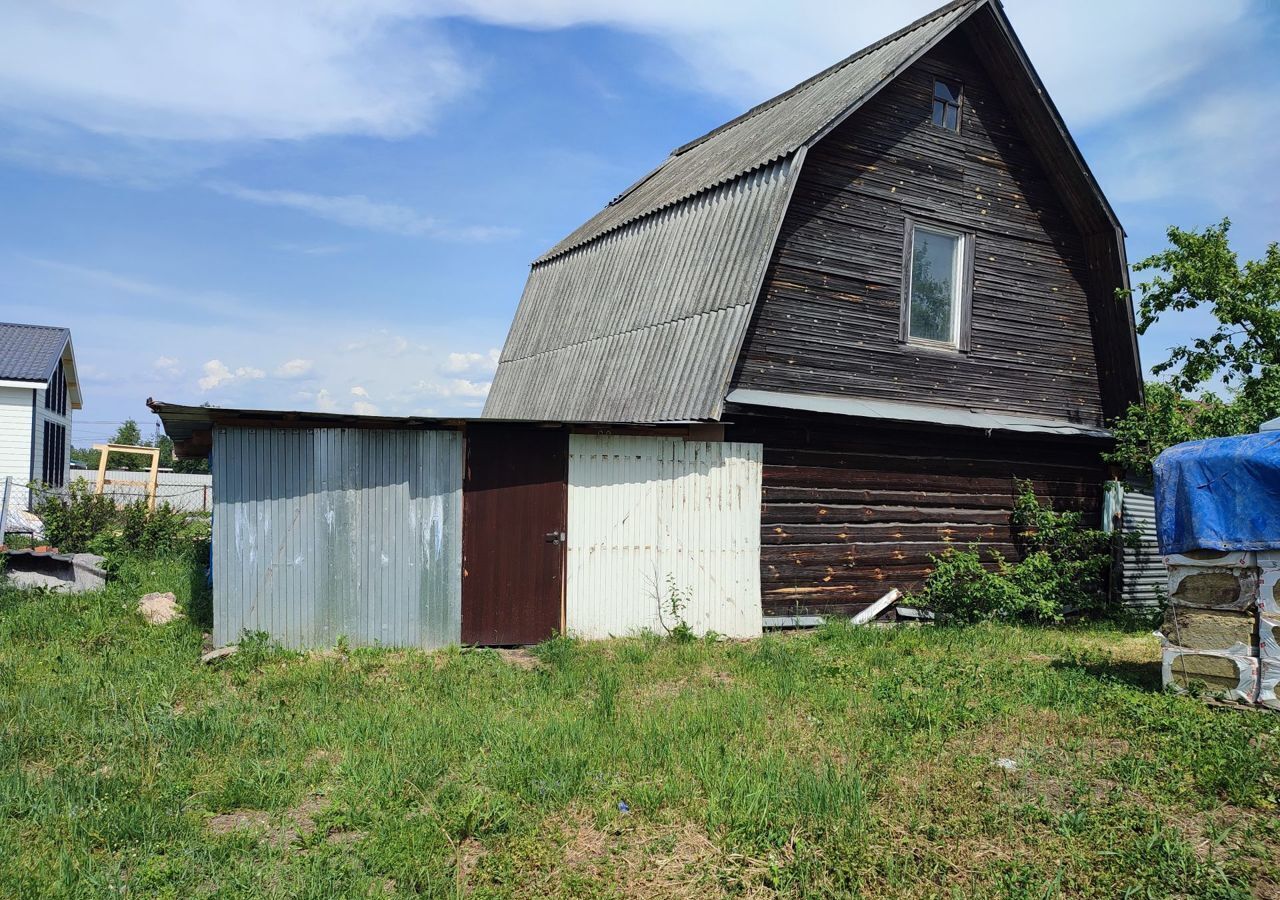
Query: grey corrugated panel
[[772, 130], [330, 532], [645, 322], [1143, 577]]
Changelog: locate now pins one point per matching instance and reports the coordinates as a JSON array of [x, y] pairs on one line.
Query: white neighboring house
[[39, 387]]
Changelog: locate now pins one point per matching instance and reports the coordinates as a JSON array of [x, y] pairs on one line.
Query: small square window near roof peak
[[946, 104]]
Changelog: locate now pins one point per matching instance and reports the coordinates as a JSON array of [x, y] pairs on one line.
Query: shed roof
[[639, 314]]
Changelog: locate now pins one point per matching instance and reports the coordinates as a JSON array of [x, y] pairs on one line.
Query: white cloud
[[228, 71], [364, 408], [294, 368], [458, 363], [167, 365], [358, 211], [456, 388], [216, 374], [325, 401], [358, 391]]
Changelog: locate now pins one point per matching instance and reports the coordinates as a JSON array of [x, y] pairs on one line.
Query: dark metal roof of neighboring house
[[30, 352]]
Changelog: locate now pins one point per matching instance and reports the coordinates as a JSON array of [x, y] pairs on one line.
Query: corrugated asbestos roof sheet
[[638, 315], [644, 322], [773, 129], [30, 352]]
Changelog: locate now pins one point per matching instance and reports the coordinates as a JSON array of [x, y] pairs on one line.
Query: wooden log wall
[[828, 318], [852, 508]]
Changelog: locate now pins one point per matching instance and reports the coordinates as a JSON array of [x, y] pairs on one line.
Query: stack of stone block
[[1222, 625]]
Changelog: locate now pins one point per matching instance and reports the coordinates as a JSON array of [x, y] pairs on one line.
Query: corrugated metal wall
[[646, 513], [1143, 577], [321, 533]]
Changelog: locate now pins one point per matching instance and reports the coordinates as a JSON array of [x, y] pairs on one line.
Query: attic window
[[946, 105], [936, 286]]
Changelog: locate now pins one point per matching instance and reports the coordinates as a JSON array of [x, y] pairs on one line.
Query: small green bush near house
[[1063, 569], [79, 521], [1001, 760]]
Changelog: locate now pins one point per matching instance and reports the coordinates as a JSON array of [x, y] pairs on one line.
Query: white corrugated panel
[[181, 490], [651, 514]]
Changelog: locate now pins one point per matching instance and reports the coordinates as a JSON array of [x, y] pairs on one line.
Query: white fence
[[649, 517], [181, 491]]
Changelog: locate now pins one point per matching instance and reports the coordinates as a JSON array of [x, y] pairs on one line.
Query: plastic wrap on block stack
[[1218, 524], [1230, 676], [1210, 628]]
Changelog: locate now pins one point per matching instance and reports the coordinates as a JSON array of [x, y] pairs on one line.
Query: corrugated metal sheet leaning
[[1142, 578], [651, 516], [322, 533]]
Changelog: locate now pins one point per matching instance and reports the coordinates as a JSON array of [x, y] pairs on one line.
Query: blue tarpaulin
[[1219, 494]]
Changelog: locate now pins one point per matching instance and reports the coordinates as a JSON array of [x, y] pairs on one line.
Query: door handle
[[555, 537]]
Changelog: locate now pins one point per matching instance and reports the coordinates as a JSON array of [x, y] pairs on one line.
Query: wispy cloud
[[358, 211], [294, 368], [234, 70]]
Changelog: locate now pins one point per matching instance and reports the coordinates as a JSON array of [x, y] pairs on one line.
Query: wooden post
[[103, 453], [151, 482]]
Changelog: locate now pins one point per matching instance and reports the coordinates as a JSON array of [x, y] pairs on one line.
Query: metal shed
[[428, 532]]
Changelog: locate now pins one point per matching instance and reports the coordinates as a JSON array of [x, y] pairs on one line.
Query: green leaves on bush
[[80, 521], [1063, 569]]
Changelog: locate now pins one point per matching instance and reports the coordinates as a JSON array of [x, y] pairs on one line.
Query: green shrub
[[80, 521], [1063, 569], [73, 520]]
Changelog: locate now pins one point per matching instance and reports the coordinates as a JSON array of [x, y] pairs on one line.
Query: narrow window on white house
[[936, 287], [946, 105]]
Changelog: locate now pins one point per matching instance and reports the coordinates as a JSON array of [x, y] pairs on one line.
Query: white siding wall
[[15, 441], [649, 513]]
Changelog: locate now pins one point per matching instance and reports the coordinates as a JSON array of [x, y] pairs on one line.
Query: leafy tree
[[1166, 417], [1199, 270]]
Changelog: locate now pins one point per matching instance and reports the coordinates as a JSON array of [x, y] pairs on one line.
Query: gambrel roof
[[639, 314]]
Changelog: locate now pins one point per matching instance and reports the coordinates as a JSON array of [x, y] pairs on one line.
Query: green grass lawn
[[836, 763]]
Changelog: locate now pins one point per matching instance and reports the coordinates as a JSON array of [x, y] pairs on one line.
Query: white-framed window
[[935, 286]]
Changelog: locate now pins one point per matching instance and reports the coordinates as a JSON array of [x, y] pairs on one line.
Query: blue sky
[[333, 206]]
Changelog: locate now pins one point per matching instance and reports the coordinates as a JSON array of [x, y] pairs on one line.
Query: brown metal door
[[513, 526]]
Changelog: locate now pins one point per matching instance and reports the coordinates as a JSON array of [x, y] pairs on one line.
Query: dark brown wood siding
[[828, 318], [853, 508]]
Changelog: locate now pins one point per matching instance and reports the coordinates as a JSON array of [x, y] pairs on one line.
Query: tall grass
[[843, 762]]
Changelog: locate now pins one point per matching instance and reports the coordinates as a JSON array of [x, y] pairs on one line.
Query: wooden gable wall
[[828, 318]]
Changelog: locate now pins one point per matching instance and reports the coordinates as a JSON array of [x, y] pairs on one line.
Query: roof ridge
[[29, 325], [812, 80]]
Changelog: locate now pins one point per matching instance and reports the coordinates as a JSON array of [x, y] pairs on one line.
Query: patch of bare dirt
[[518, 657], [240, 820], [639, 858], [280, 832]]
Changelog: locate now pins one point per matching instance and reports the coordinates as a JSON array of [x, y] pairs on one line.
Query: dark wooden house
[[899, 276]]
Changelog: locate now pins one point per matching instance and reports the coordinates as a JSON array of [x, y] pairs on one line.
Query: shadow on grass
[[1142, 675], [201, 593]]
